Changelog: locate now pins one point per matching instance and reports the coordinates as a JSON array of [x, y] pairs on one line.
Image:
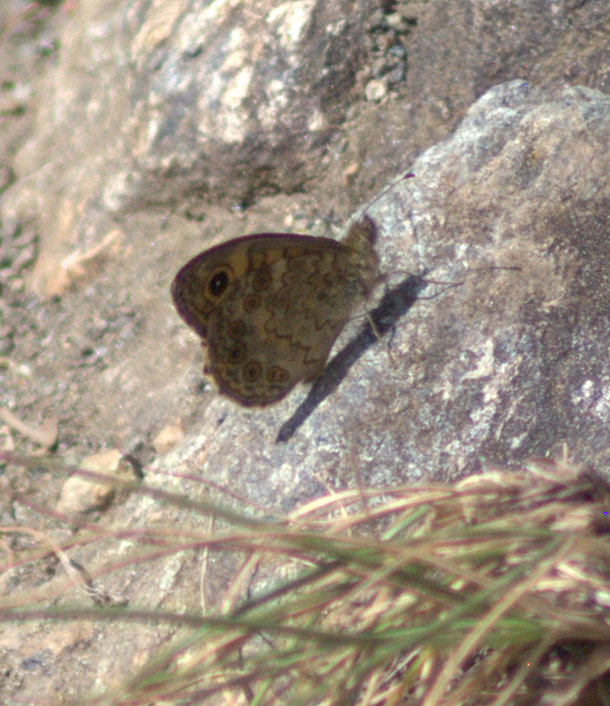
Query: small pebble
[[375, 90]]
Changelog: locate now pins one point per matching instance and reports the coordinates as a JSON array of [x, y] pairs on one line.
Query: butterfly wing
[[269, 308]]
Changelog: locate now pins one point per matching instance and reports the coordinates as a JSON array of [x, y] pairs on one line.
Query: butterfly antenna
[[408, 175]]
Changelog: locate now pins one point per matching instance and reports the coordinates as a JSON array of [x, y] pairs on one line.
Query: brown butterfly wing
[[202, 283], [269, 308]]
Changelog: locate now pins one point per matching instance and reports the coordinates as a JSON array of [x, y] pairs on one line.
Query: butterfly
[[269, 306]]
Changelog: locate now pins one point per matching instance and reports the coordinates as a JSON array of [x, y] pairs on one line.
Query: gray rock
[[507, 364], [191, 105]]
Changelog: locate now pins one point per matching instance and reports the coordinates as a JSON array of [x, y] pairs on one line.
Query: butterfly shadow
[[394, 304]]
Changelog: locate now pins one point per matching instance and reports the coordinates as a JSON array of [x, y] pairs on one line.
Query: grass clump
[[493, 591]]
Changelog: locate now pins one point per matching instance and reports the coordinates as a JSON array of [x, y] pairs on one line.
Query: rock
[[81, 495], [505, 365], [167, 438], [376, 89]]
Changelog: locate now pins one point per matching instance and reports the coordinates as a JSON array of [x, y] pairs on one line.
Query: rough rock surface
[[136, 134], [506, 365]]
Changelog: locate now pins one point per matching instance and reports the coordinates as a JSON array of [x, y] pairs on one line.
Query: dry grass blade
[[494, 591]]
